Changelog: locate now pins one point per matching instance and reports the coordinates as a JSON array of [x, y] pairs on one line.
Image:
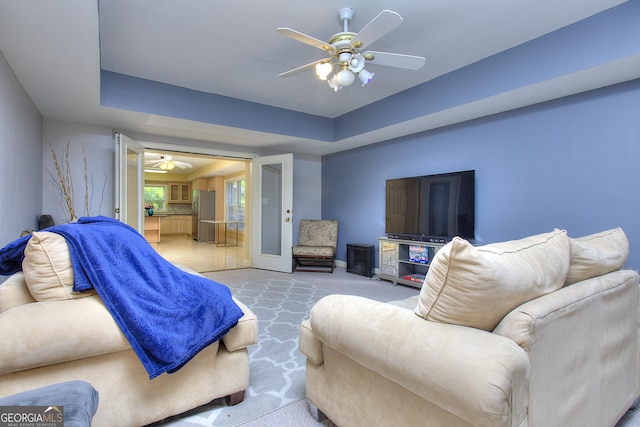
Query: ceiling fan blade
[[303, 68], [399, 60], [386, 21], [155, 164], [312, 41], [183, 165]]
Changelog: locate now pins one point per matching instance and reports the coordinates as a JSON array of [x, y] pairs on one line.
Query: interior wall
[[307, 190], [20, 144], [98, 145], [570, 163]]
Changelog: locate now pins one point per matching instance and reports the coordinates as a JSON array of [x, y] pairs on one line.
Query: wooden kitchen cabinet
[[152, 229], [188, 225], [165, 225], [176, 224], [179, 192]]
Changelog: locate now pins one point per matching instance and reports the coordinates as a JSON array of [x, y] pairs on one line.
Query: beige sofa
[[537, 332], [51, 334]]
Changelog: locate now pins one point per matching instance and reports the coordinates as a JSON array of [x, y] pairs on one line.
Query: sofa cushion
[[478, 286], [47, 268], [597, 254]]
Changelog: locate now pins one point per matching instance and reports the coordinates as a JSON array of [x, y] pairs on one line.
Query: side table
[[360, 259]]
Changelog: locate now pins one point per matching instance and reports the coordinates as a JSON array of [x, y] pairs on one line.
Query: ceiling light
[[356, 63], [345, 77], [323, 69], [167, 165], [365, 76], [333, 83]]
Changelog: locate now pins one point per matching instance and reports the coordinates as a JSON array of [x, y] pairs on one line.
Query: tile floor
[[200, 256]]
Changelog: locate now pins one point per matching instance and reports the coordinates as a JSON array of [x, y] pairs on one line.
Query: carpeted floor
[[277, 369], [281, 301]]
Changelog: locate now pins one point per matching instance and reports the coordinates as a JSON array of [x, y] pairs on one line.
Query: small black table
[[360, 259]]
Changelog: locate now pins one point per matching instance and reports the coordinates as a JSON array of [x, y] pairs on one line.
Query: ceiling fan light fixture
[[345, 49], [167, 165], [356, 63], [333, 83], [365, 76], [323, 69], [345, 77]]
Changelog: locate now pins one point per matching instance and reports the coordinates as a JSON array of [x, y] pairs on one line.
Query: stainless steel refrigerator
[[204, 207]]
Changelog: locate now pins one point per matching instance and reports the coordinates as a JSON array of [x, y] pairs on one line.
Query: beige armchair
[[537, 332], [316, 249]]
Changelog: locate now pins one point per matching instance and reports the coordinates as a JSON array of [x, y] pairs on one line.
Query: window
[[155, 196], [234, 190]]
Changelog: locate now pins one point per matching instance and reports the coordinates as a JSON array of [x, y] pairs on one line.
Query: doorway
[[192, 174], [202, 257], [271, 207]]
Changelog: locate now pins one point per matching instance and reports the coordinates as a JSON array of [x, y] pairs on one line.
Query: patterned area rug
[[277, 369]]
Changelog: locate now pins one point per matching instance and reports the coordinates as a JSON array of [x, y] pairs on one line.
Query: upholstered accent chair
[[316, 249], [538, 332]]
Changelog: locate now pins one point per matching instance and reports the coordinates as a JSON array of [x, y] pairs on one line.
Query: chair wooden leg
[[321, 264], [316, 413], [235, 398]]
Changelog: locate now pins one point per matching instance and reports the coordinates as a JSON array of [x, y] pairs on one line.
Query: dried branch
[[87, 211], [64, 184]]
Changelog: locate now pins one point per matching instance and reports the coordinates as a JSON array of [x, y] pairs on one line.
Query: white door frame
[[272, 215], [129, 185]]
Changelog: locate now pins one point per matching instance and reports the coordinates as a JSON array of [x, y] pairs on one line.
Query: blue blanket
[[167, 315]]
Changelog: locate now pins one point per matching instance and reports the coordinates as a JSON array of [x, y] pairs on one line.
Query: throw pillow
[[47, 268], [478, 286], [597, 254]]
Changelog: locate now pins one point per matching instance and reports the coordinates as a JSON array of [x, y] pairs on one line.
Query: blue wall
[[570, 163], [21, 148]]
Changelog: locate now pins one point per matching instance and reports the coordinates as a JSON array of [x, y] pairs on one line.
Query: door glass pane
[[132, 189], [271, 212]]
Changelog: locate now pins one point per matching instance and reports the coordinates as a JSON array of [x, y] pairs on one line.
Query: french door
[[129, 177], [272, 212]]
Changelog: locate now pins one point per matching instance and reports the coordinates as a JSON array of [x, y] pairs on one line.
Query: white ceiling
[[56, 49], [202, 165]]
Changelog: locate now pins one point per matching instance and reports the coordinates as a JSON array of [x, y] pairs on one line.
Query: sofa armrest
[[478, 376], [245, 333], [310, 346], [587, 334], [14, 292], [44, 333]]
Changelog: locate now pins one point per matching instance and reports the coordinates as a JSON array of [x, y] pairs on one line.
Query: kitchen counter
[[152, 229], [175, 224]]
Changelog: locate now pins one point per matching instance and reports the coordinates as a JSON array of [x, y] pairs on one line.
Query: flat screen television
[[432, 208]]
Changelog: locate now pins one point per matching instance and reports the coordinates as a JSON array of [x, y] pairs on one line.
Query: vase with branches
[[63, 182]]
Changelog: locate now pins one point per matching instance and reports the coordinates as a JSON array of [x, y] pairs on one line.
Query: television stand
[[405, 262]]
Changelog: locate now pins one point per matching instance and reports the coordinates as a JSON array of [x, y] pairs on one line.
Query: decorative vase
[[150, 211]]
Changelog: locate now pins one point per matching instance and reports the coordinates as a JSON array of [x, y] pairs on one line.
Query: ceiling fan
[[347, 55], [167, 163]]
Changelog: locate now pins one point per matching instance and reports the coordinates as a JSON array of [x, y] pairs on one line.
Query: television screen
[[431, 206]]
